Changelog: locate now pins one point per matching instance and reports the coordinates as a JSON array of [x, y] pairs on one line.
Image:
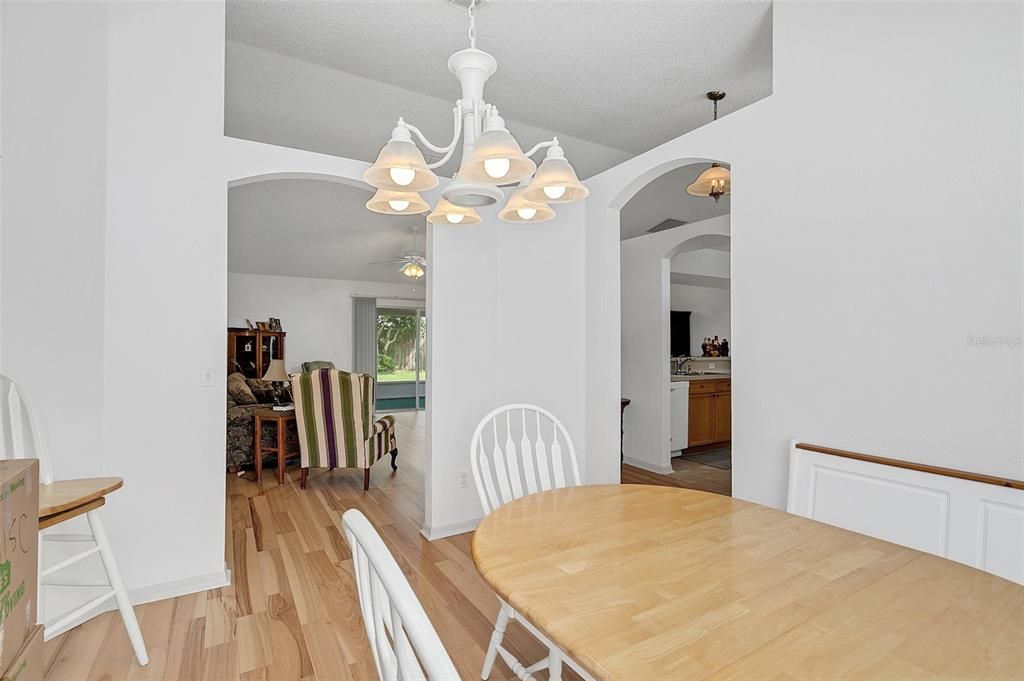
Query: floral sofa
[[245, 396]]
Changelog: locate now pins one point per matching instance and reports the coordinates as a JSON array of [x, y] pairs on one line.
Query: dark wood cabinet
[[710, 412], [250, 350]]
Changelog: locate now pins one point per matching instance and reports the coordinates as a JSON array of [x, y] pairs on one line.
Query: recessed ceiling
[[312, 228], [665, 198], [627, 75]]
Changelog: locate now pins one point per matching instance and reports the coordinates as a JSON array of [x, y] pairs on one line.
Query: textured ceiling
[[629, 75], [310, 228]]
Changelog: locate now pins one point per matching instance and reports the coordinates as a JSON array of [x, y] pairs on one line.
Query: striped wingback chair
[[334, 415]]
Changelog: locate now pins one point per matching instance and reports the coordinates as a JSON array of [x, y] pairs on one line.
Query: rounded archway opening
[[674, 289]]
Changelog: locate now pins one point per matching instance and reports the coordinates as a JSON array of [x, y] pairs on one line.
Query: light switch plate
[[206, 377]]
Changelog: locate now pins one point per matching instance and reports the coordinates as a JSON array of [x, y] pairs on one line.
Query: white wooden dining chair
[[520, 449], [404, 643], [21, 437]]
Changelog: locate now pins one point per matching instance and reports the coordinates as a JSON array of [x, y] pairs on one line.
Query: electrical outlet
[[464, 479], [711, 365]]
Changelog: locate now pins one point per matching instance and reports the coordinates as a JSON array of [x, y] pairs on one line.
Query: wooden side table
[[281, 418]]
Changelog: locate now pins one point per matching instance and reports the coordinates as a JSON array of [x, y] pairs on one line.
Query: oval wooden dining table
[[647, 582]]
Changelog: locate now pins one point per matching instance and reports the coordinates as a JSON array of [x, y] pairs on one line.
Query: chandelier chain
[[472, 23]]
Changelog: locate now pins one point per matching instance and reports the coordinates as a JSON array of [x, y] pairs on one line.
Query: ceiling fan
[[413, 263]]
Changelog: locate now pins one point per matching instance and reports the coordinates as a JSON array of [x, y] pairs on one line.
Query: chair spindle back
[[519, 449]]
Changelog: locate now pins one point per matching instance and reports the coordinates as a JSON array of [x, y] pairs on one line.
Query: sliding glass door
[[401, 358]]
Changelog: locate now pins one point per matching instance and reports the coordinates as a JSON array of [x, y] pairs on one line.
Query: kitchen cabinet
[[710, 412]]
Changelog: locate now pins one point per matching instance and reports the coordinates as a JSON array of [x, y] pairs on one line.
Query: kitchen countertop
[[699, 377]]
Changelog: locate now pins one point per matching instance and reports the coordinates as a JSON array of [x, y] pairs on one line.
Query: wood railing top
[[910, 465]]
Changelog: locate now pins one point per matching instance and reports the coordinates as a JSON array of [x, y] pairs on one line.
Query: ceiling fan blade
[[396, 261]]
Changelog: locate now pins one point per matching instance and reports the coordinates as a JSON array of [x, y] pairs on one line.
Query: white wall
[[709, 308], [823, 249], [114, 264], [646, 335], [507, 325], [316, 313]]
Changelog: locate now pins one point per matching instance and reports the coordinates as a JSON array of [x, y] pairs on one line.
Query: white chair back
[[404, 643], [21, 436], [520, 449]]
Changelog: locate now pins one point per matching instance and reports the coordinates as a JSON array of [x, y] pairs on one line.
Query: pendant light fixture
[[491, 157], [716, 181]]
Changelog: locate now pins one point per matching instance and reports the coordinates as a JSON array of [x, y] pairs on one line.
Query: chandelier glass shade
[[497, 157], [520, 209], [397, 203], [447, 213], [715, 182], [491, 158], [555, 181], [400, 167]]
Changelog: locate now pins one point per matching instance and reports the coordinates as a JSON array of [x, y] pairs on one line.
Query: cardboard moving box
[[19, 554], [27, 665]]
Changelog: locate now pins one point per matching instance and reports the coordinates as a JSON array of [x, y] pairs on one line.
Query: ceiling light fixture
[[716, 181], [491, 157]]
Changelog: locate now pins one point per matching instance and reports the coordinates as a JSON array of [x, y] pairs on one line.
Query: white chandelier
[[491, 158]]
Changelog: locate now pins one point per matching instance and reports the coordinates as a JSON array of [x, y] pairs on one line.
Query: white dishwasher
[[679, 413]]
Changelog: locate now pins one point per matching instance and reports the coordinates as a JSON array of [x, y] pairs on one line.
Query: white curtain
[[365, 341]]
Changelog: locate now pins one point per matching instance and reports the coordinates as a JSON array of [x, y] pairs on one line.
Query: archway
[[646, 289], [280, 166]]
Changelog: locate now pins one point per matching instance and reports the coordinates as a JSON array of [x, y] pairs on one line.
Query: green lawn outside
[[397, 376]]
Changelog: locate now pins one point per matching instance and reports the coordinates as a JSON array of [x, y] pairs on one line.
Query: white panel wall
[[316, 313], [975, 523], [506, 326], [827, 260]]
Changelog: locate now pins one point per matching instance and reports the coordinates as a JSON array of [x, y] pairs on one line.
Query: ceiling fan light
[[715, 182], [413, 270], [497, 159], [400, 167], [447, 213], [555, 181], [392, 202], [519, 209]]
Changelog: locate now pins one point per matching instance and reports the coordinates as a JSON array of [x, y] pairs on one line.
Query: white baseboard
[[647, 466], [148, 594], [432, 533]]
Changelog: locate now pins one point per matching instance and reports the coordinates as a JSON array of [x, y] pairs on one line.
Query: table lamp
[[276, 374]]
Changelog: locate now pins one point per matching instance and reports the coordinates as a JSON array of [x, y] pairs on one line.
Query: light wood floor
[[291, 612]]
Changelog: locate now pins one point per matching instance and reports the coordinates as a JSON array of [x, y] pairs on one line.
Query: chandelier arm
[[541, 145], [457, 113]]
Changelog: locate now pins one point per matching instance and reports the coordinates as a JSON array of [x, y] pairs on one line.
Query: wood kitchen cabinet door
[[701, 421], [723, 417]]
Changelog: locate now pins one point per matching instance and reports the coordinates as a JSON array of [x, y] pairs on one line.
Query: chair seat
[[64, 495]]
